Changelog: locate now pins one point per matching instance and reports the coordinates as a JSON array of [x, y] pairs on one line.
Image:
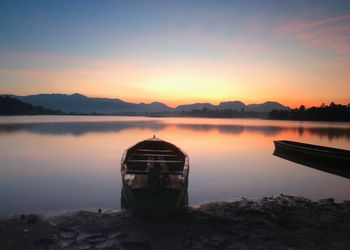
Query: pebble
[[84, 247], [68, 235], [65, 243], [115, 235], [105, 244], [85, 235], [96, 238]]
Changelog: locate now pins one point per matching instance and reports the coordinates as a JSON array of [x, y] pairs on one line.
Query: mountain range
[[78, 103]]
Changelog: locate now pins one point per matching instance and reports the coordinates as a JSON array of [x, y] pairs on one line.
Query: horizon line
[[171, 106]]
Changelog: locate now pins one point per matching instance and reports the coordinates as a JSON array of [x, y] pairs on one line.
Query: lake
[[52, 163]]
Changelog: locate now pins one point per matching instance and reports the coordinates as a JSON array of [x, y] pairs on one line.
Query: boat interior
[[154, 155]]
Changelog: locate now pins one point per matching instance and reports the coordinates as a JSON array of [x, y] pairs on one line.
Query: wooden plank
[[154, 155], [145, 172], [155, 161], [154, 150]]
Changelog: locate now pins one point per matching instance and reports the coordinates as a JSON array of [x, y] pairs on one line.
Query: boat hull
[[156, 203], [313, 153]]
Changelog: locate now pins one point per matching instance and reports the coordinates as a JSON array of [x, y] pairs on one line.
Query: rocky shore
[[283, 222]]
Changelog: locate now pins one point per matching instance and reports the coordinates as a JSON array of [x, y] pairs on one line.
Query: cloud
[[300, 26], [332, 33]]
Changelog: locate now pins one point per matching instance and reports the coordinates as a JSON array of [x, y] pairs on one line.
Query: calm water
[[50, 163]]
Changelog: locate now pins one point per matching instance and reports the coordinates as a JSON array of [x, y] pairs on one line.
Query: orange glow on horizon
[[178, 83], [173, 103]]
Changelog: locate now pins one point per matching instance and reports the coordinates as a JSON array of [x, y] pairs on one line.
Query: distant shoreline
[[334, 112], [175, 116]]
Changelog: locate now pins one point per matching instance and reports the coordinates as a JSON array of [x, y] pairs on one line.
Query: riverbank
[[283, 222]]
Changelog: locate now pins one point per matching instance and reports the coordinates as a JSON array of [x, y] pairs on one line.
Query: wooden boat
[[324, 166], [315, 153], [155, 178]]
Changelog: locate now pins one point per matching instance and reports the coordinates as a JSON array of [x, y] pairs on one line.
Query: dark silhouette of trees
[[220, 113], [13, 106], [333, 112]]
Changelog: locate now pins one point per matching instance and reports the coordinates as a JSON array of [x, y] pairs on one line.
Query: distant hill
[[77, 103], [235, 105], [266, 107], [193, 106], [13, 106]]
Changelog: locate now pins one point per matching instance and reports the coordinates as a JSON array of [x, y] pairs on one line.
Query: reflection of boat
[[331, 160], [155, 177]]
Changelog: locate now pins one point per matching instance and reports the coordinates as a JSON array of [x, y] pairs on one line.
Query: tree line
[[333, 112], [220, 113], [13, 106]]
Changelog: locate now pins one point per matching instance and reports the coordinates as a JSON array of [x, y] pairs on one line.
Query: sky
[[177, 52]]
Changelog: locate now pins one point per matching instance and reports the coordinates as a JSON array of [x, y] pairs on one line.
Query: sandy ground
[[283, 222]]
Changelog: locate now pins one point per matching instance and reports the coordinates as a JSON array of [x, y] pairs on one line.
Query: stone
[[68, 234], [105, 244]]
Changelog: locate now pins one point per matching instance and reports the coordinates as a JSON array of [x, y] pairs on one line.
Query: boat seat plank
[[156, 155], [146, 172], [156, 161], [154, 150]]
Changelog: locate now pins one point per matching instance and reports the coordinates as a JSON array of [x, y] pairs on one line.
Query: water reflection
[[66, 162], [78, 128], [233, 129], [331, 132], [81, 128]]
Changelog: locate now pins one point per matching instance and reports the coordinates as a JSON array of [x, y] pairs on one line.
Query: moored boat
[[326, 155], [155, 178]]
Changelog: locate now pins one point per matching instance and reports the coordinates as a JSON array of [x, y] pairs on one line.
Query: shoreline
[[281, 222], [181, 116]]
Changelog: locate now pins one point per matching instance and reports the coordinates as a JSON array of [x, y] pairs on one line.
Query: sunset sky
[[176, 52]]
